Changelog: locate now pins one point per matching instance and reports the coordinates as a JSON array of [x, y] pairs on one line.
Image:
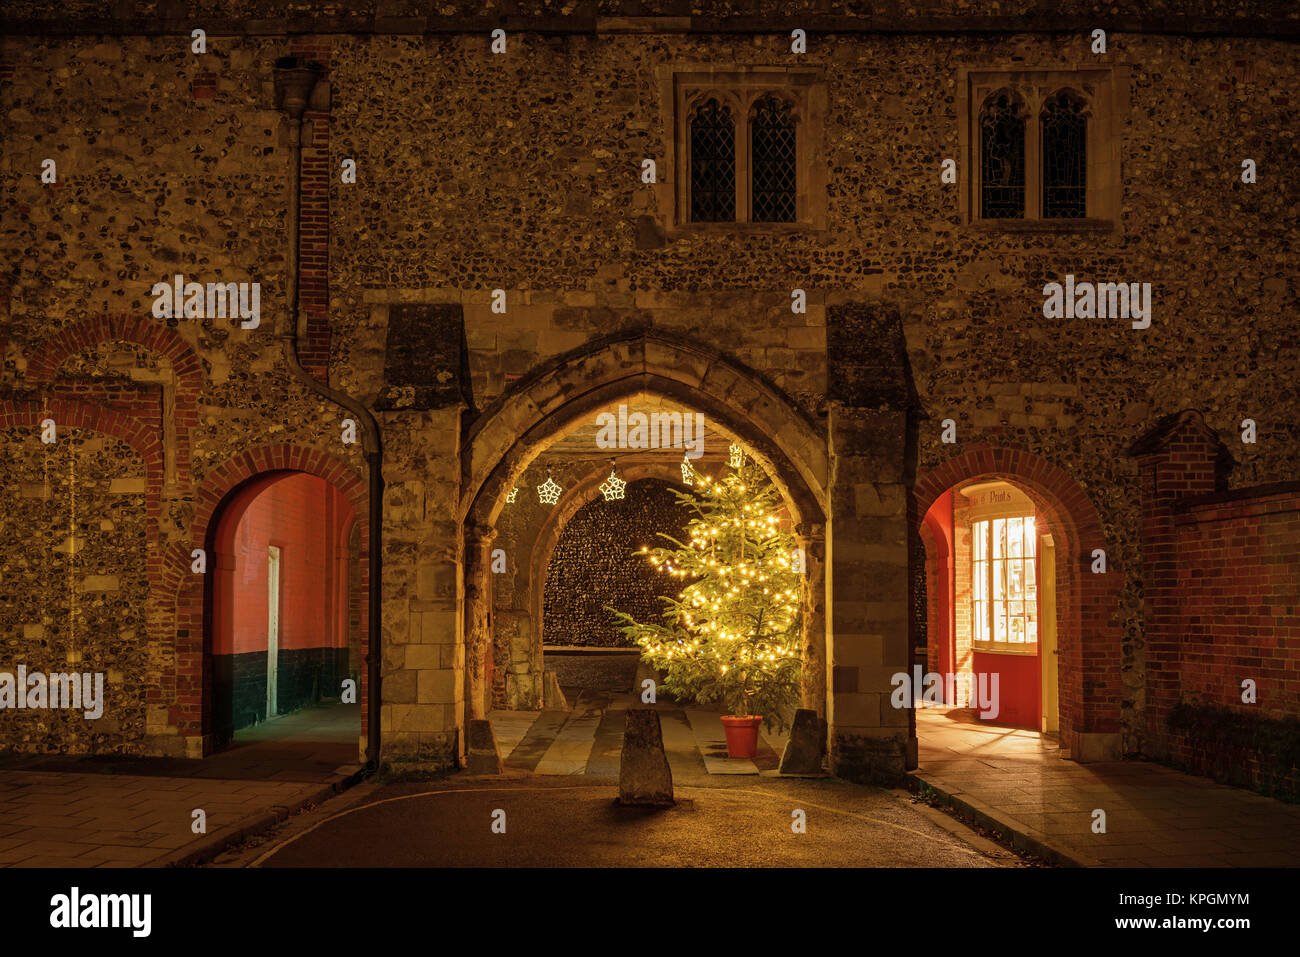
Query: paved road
[[573, 822]]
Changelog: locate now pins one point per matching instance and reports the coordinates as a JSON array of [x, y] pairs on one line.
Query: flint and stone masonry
[[522, 171]]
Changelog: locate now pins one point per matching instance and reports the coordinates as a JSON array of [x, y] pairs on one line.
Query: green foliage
[[732, 634]]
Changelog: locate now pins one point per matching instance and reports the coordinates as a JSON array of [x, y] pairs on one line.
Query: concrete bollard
[[807, 745], [483, 757], [644, 777]]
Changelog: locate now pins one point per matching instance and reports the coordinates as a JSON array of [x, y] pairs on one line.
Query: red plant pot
[[742, 734]]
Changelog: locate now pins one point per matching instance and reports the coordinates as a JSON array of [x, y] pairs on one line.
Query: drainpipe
[[294, 82]]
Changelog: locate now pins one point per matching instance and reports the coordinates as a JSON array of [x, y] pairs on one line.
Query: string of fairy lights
[[716, 607], [734, 631], [614, 488]]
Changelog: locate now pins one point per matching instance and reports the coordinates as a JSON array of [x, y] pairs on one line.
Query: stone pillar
[[867, 556], [422, 711], [478, 616], [812, 540]]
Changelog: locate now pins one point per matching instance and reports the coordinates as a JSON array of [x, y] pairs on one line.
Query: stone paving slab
[[588, 739], [571, 749], [711, 739], [74, 811], [1016, 781], [153, 830]]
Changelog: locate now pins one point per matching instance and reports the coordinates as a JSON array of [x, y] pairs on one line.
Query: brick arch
[[150, 333], [44, 364], [740, 402], [70, 413], [17, 413], [223, 486], [1089, 636]]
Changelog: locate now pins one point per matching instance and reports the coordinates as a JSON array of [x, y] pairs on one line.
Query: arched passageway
[[284, 615], [1013, 611], [654, 377]]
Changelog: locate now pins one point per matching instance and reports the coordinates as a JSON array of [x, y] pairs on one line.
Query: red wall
[[1239, 602], [308, 520], [1019, 677], [941, 606], [1019, 687]]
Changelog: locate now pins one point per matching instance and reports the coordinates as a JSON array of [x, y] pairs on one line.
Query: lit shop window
[[1004, 589]]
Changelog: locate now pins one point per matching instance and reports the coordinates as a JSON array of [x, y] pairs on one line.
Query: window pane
[[713, 164], [1004, 587], [1065, 158], [772, 143], [1015, 582], [1002, 159]]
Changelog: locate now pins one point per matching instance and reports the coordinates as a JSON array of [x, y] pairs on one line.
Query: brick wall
[[1221, 605], [1239, 600]]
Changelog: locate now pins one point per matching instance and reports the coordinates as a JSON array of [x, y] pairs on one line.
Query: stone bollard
[[807, 745], [552, 697], [644, 777], [482, 757]]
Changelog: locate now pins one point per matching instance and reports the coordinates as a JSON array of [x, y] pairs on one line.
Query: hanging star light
[[548, 493], [510, 496], [688, 473], [613, 486], [736, 458]]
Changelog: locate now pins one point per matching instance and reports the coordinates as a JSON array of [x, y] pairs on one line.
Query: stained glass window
[[713, 164], [1002, 159], [772, 147], [1065, 158], [1004, 590]]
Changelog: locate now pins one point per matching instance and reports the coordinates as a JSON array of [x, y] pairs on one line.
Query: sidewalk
[[68, 811], [1015, 782]]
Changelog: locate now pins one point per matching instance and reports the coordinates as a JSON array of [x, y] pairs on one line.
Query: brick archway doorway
[[281, 615], [1066, 680]]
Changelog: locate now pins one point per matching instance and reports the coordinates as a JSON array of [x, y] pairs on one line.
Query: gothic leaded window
[[772, 139], [713, 164], [1065, 158], [1002, 158]]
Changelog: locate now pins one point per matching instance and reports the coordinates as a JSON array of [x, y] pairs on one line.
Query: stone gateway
[[494, 275]]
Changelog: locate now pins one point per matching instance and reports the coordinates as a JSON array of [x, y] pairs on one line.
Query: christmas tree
[[732, 634]]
